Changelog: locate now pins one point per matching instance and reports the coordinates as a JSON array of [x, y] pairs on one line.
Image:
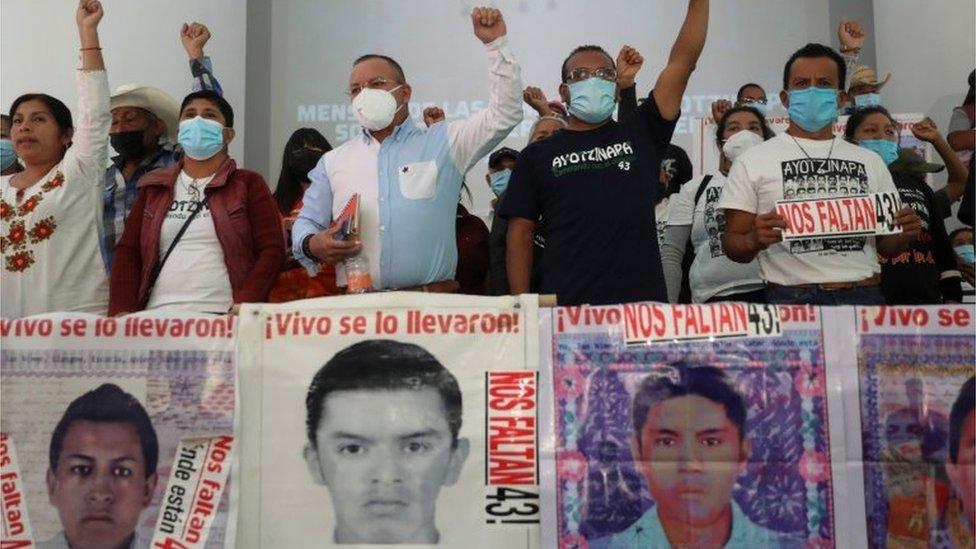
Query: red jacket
[[246, 220]]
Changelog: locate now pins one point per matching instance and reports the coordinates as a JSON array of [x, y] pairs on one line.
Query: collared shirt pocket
[[418, 180]]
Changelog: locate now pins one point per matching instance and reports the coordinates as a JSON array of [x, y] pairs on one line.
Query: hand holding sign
[[769, 229], [910, 223]]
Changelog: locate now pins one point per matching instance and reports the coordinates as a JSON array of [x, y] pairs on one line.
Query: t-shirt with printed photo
[[712, 273], [787, 167], [596, 190]]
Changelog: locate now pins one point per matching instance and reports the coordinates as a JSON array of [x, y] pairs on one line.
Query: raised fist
[[926, 130], [537, 100], [194, 36], [851, 35], [433, 115], [629, 62], [488, 24], [89, 14]]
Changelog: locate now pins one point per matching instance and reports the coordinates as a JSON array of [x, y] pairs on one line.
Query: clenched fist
[[488, 24]]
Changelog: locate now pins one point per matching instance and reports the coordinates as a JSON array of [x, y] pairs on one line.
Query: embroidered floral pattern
[[54, 183], [29, 204], [20, 261], [18, 236], [42, 230]]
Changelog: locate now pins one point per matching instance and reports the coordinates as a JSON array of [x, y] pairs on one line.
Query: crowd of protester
[[599, 207]]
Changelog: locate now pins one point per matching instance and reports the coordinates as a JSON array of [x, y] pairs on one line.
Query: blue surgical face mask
[[763, 108], [499, 181], [592, 100], [201, 138], [966, 252], [888, 150], [7, 154], [866, 100], [813, 109]]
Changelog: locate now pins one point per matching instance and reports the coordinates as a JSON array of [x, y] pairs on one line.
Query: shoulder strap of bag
[[159, 264], [701, 188]]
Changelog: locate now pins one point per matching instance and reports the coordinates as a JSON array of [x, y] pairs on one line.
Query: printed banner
[[720, 443], [862, 215], [16, 530], [916, 368], [657, 322], [704, 152], [395, 418], [98, 407], [195, 488]]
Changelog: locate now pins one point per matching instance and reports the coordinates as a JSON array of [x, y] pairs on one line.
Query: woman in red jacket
[[202, 235]]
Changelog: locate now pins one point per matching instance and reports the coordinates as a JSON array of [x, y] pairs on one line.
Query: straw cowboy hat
[[154, 100], [863, 75]]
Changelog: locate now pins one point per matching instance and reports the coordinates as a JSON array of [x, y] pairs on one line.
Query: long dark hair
[[971, 96], [289, 189]]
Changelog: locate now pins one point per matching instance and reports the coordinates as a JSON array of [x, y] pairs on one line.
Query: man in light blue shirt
[[408, 178], [690, 445]]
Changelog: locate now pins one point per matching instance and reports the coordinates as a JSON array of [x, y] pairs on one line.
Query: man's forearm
[[518, 258], [957, 173], [740, 247], [891, 245], [691, 39]]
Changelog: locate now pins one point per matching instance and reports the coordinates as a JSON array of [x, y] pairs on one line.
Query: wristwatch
[[306, 249]]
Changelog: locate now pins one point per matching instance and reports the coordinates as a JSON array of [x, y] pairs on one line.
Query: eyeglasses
[[751, 100], [582, 73], [377, 83]]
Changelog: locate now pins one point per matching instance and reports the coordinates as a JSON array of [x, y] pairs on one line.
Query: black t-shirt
[[596, 190], [914, 277], [676, 168]]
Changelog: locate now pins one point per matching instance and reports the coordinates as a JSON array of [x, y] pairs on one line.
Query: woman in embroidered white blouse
[[49, 213]]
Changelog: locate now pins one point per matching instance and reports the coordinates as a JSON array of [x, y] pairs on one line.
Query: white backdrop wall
[[929, 48], [140, 42], [314, 44]]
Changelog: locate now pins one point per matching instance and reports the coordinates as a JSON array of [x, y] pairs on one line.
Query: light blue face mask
[[866, 100], [966, 252], [887, 150], [7, 154], [592, 100], [813, 108], [499, 181], [201, 138], [763, 108]]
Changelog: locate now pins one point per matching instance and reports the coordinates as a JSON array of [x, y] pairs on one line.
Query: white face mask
[[375, 109], [740, 143]]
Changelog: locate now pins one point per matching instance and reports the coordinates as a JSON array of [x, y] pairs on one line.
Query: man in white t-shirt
[[808, 161]]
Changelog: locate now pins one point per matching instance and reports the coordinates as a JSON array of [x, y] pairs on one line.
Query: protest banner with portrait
[[390, 418], [916, 390], [117, 431], [716, 435]]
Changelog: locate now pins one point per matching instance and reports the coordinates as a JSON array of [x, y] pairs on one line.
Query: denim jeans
[[812, 295]]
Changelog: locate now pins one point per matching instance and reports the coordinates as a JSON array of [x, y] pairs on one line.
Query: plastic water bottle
[[358, 280]]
